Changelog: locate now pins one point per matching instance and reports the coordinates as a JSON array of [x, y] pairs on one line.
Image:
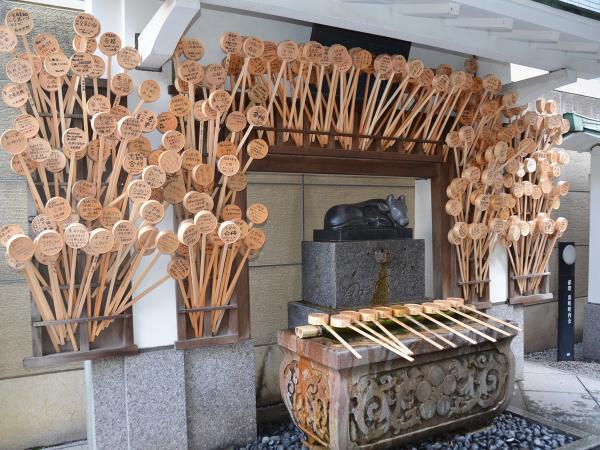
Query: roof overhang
[[517, 31], [584, 133]]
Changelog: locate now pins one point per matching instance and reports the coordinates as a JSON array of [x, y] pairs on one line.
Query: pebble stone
[[580, 366], [508, 431]]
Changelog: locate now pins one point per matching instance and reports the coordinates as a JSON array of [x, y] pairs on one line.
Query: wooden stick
[[495, 319], [387, 313]]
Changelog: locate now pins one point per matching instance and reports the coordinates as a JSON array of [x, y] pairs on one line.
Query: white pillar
[[154, 316], [498, 274], [594, 249], [422, 228]]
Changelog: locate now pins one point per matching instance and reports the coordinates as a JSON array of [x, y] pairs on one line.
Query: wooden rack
[[541, 295], [116, 340]]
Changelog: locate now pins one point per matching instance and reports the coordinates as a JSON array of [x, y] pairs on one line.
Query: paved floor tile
[[78, 445], [533, 367], [592, 385], [552, 382], [574, 409]]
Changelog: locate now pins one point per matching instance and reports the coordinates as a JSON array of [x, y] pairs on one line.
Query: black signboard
[[566, 301]]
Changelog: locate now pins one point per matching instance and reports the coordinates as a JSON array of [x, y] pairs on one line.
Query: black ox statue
[[375, 213], [373, 219]]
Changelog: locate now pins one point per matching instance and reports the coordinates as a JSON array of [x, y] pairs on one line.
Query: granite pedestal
[[353, 274], [591, 331], [513, 313], [358, 274], [203, 398]]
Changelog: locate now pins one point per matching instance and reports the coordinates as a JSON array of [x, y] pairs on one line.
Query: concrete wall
[[37, 407], [541, 320]]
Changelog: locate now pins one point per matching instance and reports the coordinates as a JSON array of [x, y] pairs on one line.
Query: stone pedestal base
[[381, 401], [591, 331], [168, 399], [356, 274], [513, 313]]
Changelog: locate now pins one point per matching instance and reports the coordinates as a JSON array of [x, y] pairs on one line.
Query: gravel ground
[[580, 366], [508, 431]]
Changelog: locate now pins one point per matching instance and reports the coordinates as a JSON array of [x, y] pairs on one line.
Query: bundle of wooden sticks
[[506, 189], [334, 90], [388, 325], [109, 189]]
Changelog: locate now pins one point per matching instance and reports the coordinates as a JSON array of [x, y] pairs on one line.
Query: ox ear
[[389, 200], [401, 197]]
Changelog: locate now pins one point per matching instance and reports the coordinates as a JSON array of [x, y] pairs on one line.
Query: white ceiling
[[518, 31]]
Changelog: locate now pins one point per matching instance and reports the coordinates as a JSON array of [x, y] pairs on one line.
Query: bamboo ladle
[[322, 319]]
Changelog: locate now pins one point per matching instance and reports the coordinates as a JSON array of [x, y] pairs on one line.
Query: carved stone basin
[[381, 400]]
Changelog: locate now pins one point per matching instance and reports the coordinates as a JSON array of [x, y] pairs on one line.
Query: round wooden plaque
[[121, 84], [149, 91], [101, 241], [231, 42], [124, 232], [27, 125], [19, 70], [58, 209], [257, 148], [257, 213], [287, 51], [82, 64], [214, 76], [8, 39], [188, 233], [228, 165], [237, 182], [76, 235], [235, 121], [203, 174], [49, 242], [255, 239], [57, 64], [154, 176], [109, 43], [86, 25], [173, 140], [129, 128], [180, 105], [253, 47], [89, 208], [231, 212], [14, 95], [129, 58], [40, 223], [206, 221], [166, 121], [56, 161], [20, 247], [10, 230], [14, 142], [169, 161], [39, 149], [19, 21], [166, 242], [152, 211], [178, 268], [229, 232], [104, 124], [257, 116], [109, 216]]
